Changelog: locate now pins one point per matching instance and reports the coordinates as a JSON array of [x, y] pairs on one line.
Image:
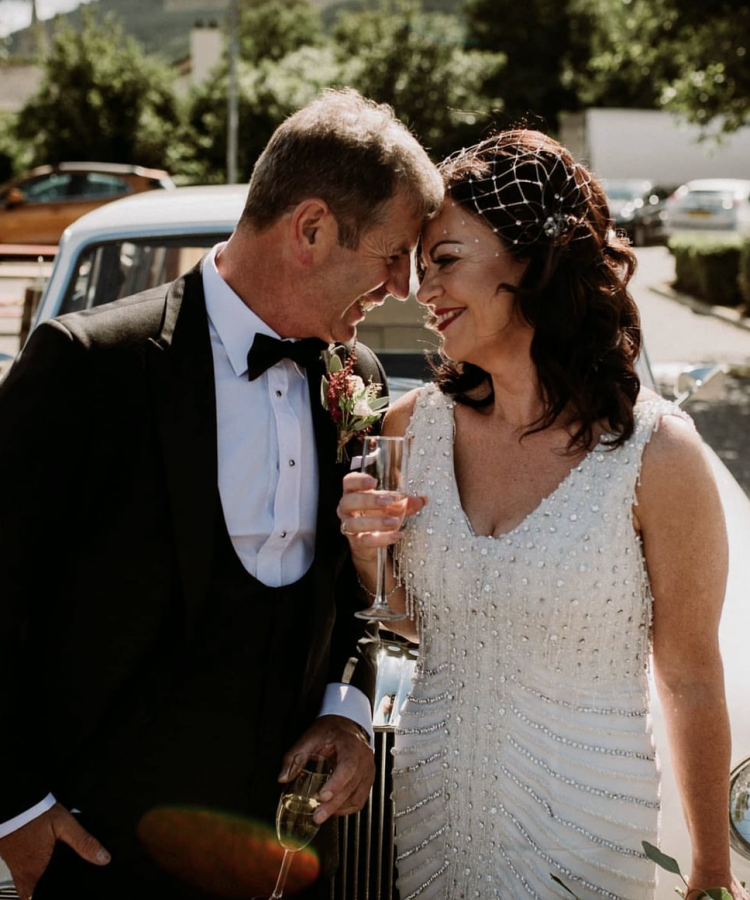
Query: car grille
[[366, 851]]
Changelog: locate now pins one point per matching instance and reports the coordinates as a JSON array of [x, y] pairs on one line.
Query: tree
[[684, 55], [432, 82], [100, 92], [536, 37], [617, 63], [268, 92], [711, 50], [270, 29]]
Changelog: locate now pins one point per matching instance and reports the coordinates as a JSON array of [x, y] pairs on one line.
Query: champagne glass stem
[[283, 872], [382, 560], [385, 459]]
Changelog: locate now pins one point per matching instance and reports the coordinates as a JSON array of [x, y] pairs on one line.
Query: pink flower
[[354, 406]]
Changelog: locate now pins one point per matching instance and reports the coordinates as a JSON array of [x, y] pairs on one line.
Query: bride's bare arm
[[682, 524]]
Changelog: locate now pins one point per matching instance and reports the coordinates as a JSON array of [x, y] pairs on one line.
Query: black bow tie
[[267, 351]]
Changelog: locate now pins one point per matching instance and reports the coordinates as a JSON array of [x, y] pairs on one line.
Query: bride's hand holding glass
[[372, 511]]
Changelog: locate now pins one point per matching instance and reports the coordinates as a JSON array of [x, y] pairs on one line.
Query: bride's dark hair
[[548, 210]]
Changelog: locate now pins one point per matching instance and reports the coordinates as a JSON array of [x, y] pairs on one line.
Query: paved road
[[675, 332], [677, 335]]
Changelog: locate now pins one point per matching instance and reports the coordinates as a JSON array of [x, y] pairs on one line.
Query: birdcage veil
[[526, 186]]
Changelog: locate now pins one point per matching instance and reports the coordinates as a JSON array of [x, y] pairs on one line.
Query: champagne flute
[[295, 827], [385, 458]]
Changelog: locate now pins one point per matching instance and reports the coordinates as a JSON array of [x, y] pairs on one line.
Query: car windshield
[[109, 270], [624, 191]]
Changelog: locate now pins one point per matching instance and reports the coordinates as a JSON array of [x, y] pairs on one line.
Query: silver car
[[141, 241], [710, 204]]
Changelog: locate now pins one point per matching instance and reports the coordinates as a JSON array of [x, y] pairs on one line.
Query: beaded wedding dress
[[524, 747]]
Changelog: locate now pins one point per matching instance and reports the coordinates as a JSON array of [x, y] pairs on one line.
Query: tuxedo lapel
[[184, 403], [329, 473]]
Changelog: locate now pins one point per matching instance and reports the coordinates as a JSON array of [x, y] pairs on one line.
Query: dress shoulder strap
[[433, 412]]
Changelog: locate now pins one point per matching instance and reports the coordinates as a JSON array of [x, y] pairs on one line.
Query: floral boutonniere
[[354, 406]]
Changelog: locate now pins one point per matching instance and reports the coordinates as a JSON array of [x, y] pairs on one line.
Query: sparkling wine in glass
[[385, 458], [295, 827]]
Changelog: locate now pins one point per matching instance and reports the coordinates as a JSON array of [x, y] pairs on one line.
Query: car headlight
[[739, 808]]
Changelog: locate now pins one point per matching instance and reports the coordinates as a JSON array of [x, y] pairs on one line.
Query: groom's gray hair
[[350, 152]]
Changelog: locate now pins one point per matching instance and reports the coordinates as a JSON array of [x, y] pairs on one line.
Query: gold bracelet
[[371, 595]]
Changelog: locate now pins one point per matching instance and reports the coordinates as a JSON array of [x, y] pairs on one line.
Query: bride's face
[[463, 264]]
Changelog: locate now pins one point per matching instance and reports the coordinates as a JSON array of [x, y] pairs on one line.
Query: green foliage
[[619, 63], [432, 82], [563, 885], [14, 155], [270, 29], [537, 37], [743, 275], [710, 46], [684, 55], [707, 267], [101, 92], [268, 93], [670, 864]]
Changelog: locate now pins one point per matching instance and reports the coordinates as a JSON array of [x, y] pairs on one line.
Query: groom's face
[[359, 280]]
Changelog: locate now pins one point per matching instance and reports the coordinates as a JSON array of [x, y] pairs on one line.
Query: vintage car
[[141, 241]]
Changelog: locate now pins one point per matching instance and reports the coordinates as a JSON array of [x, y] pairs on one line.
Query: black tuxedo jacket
[[108, 487]]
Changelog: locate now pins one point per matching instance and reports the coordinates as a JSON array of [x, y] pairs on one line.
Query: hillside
[[166, 31]]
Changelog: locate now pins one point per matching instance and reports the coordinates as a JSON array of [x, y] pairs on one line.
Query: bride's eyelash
[[439, 261], [443, 260]]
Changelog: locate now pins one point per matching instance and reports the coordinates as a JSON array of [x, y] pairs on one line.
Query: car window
[[44, 188], [98, 184], [114, 269]]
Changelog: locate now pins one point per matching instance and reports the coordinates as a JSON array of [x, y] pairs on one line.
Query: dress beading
[[524, 747]]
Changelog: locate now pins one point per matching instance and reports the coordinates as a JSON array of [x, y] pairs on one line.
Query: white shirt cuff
[[25, 817], [348, 701]]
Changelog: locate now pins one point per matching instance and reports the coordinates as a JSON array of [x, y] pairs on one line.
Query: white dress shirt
[[267, 472]]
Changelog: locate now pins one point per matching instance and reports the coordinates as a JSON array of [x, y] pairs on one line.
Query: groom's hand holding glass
[[348, 785]]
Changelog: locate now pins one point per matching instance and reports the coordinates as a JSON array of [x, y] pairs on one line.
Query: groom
[[176, 604]]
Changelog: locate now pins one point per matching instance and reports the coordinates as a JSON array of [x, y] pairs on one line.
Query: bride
[[570, 534]]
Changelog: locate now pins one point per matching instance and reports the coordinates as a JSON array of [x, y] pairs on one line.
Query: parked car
[[637, 208], [141, 241], [710, 204], [37, 207]]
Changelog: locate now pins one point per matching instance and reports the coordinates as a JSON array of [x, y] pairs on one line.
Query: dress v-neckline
[[548, 498]]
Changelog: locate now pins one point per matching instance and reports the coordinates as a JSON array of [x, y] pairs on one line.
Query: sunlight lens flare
[[222, 854]]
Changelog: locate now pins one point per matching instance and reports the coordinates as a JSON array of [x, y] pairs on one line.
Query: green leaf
[[661, 859], [324, 392], [335, 365], [562, 884], [718, 894], [379, 403]]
